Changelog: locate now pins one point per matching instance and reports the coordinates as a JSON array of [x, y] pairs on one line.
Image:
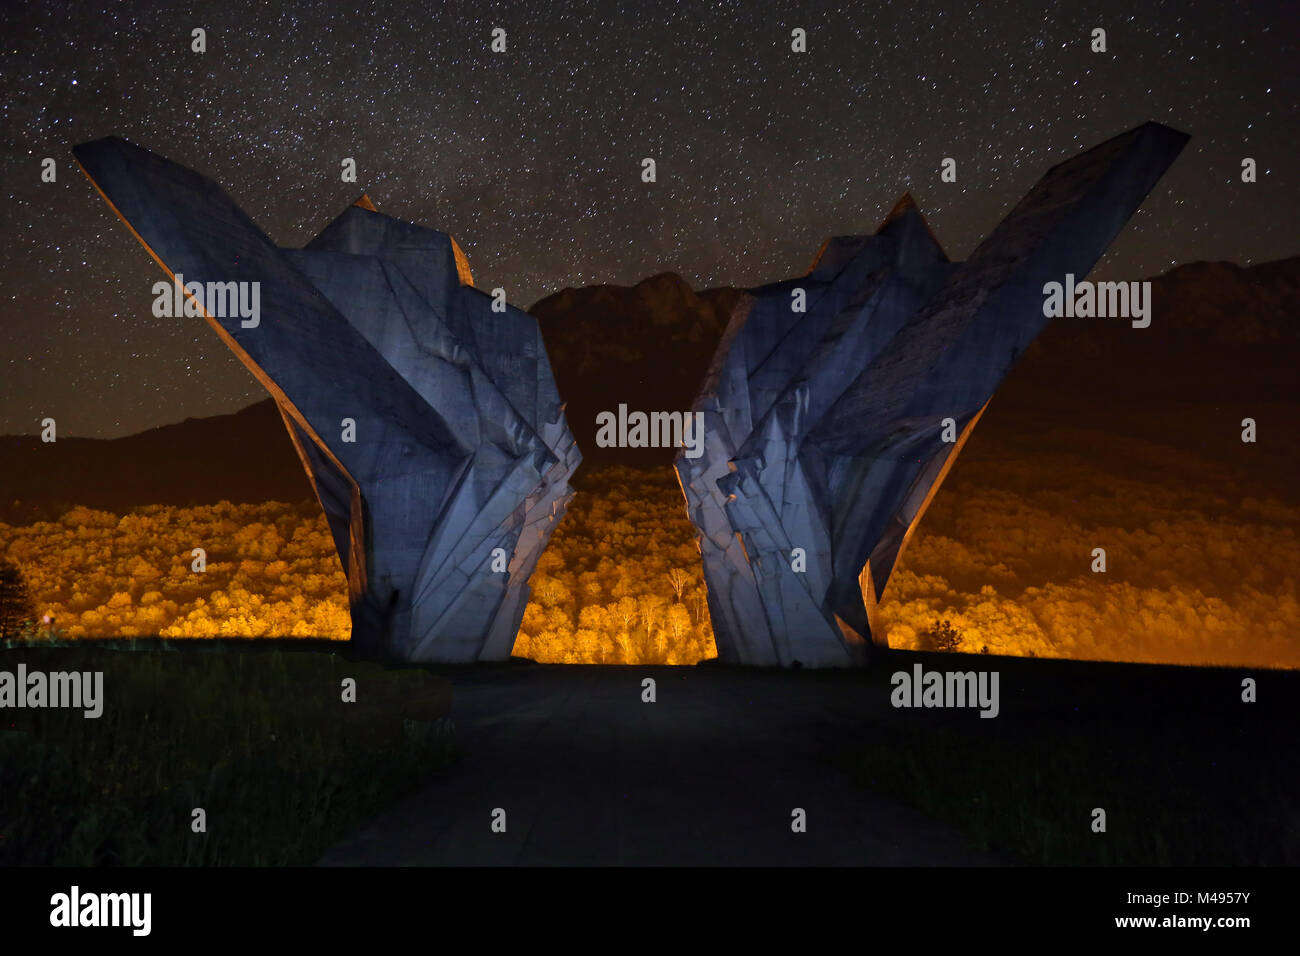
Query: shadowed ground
[[709, 774]]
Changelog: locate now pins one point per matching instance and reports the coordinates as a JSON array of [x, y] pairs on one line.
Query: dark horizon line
[[606, 285]]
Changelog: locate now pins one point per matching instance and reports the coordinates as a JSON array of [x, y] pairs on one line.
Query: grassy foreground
[[254, 733], [1187, 773]]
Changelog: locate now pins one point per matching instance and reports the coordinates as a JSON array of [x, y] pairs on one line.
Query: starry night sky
[[532, 158]]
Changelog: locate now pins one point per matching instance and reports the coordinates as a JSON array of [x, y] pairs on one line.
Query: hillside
[[1224, 344], [597, 337], [245, 457]]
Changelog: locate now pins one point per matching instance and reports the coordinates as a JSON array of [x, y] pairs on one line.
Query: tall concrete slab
[[425, 414], [837, 402]]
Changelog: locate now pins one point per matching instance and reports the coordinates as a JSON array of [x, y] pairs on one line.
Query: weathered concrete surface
[[829, 430], [428, 422], [588, 774]]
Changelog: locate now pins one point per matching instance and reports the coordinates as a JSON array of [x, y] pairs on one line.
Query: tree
[[625, 613], [941, 637], [552, 592], [679, 624], [679, 578], [650, 608], [15, 601], [591, 586], [679, 621], [701, 596], [593, 618]]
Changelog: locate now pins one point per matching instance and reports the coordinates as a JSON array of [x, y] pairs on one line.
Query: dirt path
[[709, 774]]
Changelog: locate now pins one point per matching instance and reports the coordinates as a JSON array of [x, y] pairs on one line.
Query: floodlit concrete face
[[428, 421], [829, 430]]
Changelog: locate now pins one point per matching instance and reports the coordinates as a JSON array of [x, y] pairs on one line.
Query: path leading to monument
[[709, 774]]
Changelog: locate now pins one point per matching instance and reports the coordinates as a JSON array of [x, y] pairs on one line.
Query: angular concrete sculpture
[[427, 420], [829, 429]]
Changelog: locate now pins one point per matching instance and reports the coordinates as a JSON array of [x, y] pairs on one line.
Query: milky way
[[532, 158]]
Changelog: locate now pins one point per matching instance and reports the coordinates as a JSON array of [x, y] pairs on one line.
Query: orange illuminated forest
[[621, 584], [1201, 531]]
